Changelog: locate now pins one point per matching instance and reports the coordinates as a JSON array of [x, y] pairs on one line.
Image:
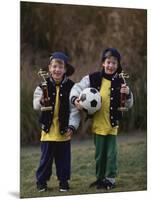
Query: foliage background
[[82, 32]]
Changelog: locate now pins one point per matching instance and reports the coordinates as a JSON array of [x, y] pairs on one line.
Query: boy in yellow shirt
[[56, 132], [105, 121]]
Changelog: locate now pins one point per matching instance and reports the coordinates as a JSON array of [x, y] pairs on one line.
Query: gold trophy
[[43, 74], [123, 95]]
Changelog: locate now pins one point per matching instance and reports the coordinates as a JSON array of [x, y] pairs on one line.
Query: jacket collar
[[64, 80]]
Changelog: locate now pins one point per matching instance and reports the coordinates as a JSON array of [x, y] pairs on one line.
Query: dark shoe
[[42, 187], [108, 185], [100, 185], [63, 186], [97, 183]]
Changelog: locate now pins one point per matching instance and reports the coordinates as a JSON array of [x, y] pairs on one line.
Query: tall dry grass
[[82, 32]]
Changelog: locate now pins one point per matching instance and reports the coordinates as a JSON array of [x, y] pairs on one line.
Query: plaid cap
[[111, 52]]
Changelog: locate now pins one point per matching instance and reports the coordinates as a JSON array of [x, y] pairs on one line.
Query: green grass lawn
[[132, 169]]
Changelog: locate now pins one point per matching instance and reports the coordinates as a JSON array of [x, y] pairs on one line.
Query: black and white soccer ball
[[90, 100]]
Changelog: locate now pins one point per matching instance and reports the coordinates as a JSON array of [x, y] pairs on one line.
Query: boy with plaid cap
[[105, 121]]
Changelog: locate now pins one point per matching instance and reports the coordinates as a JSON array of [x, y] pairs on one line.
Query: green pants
[[105, 156]]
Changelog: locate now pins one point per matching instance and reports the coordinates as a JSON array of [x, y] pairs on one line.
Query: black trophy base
[[122, 109], [46, 108]]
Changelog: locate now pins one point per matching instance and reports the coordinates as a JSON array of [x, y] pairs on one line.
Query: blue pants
[[61, 153]]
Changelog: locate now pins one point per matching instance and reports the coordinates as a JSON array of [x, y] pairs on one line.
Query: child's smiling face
[[110, 65], [57, 69]]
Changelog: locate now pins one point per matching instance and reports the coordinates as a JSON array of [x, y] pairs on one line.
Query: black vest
[[47, 116], [96, 81]]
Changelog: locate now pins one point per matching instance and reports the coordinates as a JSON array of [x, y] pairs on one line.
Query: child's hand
[[77, 104], [124, 89], [69, 133], [42, 100]]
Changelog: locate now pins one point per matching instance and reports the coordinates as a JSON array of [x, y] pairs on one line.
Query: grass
[[132, 169]]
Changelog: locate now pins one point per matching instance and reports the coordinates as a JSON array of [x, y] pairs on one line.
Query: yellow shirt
[[101, 119], [54, 133]]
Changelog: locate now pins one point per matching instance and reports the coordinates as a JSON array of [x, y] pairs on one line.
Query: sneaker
[[98, 184], [63, 186], [108, 185], [42, 187]]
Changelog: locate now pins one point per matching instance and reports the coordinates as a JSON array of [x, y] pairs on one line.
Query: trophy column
[[46, 101], [122, 107]]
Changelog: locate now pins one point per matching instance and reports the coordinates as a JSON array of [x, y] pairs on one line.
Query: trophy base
[[46, 108], [122, 109]]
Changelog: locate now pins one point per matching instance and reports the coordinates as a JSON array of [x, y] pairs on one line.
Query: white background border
[[10, 98]]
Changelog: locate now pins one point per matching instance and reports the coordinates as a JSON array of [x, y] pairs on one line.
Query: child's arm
[[37, 98], [74, 118], [78, 88], [129, 100]]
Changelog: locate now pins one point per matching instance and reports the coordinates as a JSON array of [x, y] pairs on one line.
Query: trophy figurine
[[43, 74], [123, 95]]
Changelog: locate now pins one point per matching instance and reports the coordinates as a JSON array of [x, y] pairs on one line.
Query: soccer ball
[[90, 100]]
